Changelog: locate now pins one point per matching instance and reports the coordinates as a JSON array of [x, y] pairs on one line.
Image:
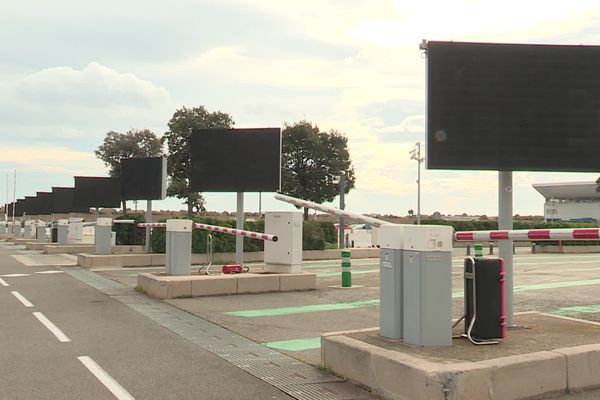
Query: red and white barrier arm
[[222, 229], [332, 210], [152, 225], [532, 234], [238, 232]]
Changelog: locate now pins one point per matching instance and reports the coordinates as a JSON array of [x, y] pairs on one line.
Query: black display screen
[[236, 160], [513, 107], [97, 192], [143, 178], [30, 205], [63, 201], [44, 203]]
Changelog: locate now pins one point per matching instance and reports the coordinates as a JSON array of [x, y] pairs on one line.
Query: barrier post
[[491, 249], [468, 249], [346, 264], [478, 247], [532, 247]]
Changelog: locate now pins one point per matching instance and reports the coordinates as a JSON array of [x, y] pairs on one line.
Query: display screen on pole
[[97, 192], [30, 205], [63, 201], [44, 201], [144, 178], [513, 107], [20, 207], [236, 160]]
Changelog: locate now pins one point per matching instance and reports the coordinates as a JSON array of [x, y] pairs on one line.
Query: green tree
[[312, 161], [134, 143], [178, 139]]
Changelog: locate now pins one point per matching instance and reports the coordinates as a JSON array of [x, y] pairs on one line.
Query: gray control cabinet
[[2, 228], [27, 230], [17, 229], [178, 257], [62, 235], [103, 236], [416, 284], [391, 273], [40, 232], [427, 293]]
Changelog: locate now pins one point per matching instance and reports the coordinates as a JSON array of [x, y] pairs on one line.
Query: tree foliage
[[178, 139], [312, 162], [134, 143]]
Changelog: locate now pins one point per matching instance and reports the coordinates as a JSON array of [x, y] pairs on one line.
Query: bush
[[329, 231], [130, 234], [312, 236]]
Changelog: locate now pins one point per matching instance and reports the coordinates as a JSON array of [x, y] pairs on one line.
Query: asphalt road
[[94, 347], [149, 361]]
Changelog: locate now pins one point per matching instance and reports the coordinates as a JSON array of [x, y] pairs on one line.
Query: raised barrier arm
[[332, 210], [221, 229]]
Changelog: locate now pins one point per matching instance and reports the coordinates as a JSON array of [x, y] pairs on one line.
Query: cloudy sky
[[71, 71]]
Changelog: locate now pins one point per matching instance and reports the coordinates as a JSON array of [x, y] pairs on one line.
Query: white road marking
[[26, 261], [14, 275], [3, 282], [22, 299], [50, 272], [51, 327], [117, 390]]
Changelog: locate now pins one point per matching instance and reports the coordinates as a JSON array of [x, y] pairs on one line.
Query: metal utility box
[[284, 255], [40, 232], [75, 230], [17, 229], [63, 232], [103, 235], [27, 229], [178, 258], [416, 284], [2, 228]]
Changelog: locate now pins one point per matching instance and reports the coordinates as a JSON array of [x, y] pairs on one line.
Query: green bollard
[[346, 274], [478, 247]]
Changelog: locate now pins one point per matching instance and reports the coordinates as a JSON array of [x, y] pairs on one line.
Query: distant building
[[570, 201]]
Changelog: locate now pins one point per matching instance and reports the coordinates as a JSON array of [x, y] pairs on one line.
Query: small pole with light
[[415, 154]]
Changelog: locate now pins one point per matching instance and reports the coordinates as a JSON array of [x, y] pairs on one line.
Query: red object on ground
[[232, 269]]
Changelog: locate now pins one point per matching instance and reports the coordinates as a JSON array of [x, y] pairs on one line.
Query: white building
[[570, 201]]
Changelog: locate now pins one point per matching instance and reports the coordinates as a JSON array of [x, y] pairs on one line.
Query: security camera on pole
[[415, 154]]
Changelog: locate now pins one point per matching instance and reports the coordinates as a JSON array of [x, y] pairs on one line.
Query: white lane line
[[51, 327], [50, 272], [26, 261], [22, 299], [117, 390], [3, 282], [14, 275]]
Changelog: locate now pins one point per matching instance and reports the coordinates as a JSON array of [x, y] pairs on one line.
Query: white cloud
[[39, 157], [70, 103]]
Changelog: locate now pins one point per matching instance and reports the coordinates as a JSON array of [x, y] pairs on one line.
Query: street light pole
[[415, 154]]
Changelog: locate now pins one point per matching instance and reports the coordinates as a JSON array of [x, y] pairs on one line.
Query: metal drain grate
[[288, 374]]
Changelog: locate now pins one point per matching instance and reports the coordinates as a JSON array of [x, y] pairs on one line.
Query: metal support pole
[[14, 197], [419, 160], [342, 231], [148, 247], [505, 222], [239, 224]]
